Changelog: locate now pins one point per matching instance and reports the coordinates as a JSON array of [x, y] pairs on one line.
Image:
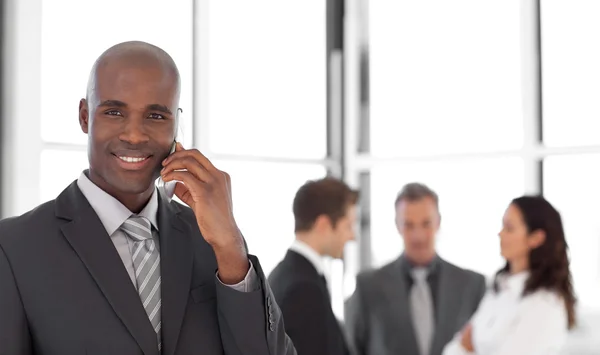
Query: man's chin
[[134, 187]]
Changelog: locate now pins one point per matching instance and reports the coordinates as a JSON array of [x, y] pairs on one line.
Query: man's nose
[[134, 132]]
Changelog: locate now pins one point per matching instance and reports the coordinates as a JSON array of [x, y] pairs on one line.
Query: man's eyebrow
[[113, 103], [159, 108]]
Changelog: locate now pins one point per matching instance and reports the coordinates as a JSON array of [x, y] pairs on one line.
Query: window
[[58, 169], [267, 78], [262, 201], [570, 72], [75, 34], [571, 185], [445, 76], [473, 197]]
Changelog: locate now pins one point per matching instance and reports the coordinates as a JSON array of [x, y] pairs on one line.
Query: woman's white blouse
[[506, 323]]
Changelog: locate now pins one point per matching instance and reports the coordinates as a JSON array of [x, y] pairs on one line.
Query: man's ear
[[84, 115], [322, 223], [536, 239]]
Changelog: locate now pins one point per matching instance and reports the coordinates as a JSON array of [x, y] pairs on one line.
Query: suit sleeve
[[355, 322], [251, 322], [304, 308], [14, 331]]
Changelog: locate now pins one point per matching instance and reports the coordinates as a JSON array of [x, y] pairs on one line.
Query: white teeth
[[132, 159]]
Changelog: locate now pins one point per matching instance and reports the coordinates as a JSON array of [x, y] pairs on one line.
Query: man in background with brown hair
[[325, 214]]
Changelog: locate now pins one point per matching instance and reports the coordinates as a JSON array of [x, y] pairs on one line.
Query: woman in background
[[530, 307]]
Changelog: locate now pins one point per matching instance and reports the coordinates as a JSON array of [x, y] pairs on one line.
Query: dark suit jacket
[[378, 317], [64, 290], [304, 300]]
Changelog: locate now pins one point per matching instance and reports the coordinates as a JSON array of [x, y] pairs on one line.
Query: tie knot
[[419, 274], [137, 228]]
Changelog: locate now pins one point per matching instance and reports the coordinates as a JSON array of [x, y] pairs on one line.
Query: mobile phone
[[167, 188]]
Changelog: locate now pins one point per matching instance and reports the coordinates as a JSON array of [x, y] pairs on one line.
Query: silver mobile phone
[[167, 188]]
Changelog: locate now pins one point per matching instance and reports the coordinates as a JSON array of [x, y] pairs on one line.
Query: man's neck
[[311, 241], [424, 263]]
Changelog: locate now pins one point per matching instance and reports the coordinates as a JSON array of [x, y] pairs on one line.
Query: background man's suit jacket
[[378, 317], [304, 299], [64, 290]]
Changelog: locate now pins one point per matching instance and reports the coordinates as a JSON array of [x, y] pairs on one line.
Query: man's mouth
[[133, 159]]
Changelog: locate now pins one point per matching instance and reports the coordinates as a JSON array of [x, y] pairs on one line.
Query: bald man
[[112, 265]]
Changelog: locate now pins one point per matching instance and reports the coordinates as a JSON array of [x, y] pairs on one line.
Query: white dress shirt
[[310, 254], [113, 214], [507, 323]]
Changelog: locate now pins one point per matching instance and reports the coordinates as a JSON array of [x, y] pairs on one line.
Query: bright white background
[[455, 97]]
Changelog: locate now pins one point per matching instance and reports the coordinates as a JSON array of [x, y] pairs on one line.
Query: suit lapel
[[399, 317], [447, 307], [93, 245], [176, 271]]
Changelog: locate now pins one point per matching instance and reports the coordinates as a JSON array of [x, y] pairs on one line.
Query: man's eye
[[113, 113], [156, 116]]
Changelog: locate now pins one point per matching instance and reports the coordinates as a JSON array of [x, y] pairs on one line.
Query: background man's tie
[[146, 262], [421, 305]]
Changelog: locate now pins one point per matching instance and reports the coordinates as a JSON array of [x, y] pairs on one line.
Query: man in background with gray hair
[[417, 303]]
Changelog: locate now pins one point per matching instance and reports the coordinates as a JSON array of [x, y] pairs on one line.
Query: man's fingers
[[191, 165], [194, 153]]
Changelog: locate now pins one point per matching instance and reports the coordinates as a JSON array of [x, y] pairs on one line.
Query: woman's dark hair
[[548, 263]]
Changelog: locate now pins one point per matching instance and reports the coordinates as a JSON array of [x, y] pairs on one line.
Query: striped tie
[[146, 262]]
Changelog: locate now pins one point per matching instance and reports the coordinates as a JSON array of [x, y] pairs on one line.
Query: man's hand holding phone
[[207, 190]]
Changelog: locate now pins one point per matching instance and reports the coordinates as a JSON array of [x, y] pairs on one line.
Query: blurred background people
[[531, 306], [414, 305], [325, 215]]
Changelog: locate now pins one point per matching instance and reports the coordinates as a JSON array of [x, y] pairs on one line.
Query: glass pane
[[571, 184], [59, 168], [473, 197], [570, 57], [444, 76], [262, 198], [267, 81], [71, 44]]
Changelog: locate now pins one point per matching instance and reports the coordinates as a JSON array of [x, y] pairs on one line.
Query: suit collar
[[177, 259], [88, 237], [310, 254]]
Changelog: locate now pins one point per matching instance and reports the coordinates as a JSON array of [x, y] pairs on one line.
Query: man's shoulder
[[374, 275], [457, 271], [286, 274], [29, 224]]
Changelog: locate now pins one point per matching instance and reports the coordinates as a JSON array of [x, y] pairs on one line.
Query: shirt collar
[[310, 254], [111, 212], [513, 282]]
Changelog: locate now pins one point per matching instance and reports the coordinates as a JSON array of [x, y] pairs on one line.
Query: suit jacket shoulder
[[370, 278], [465, 275], [25, 229]]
